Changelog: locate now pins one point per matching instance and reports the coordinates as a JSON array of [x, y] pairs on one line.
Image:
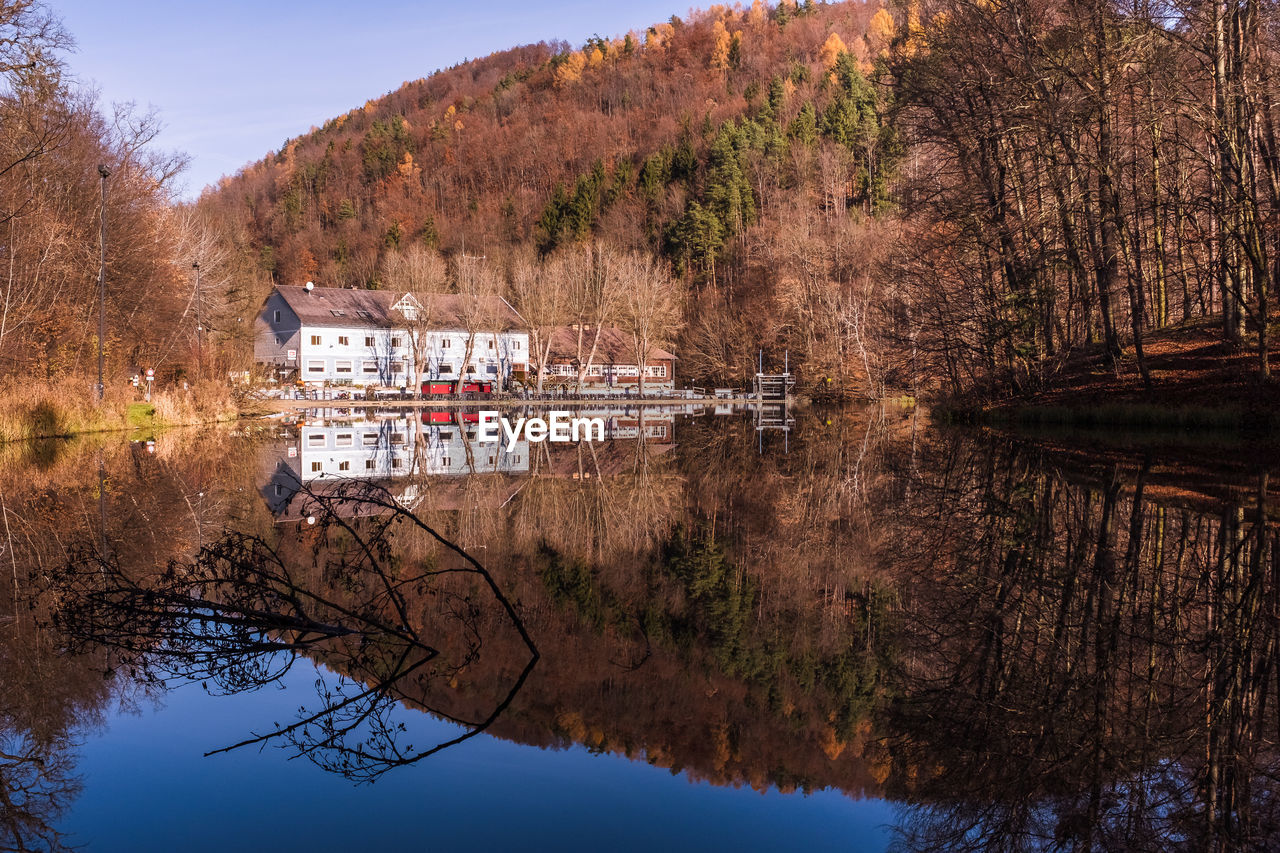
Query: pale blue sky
[[233, 80]]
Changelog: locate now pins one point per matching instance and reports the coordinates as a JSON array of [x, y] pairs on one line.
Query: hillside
[[747, 147]]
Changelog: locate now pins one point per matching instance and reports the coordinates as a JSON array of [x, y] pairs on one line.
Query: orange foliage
[[570, 71], [831, 50], [720, 49], [880, 32]]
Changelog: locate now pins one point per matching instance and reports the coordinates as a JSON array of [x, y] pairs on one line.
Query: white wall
[[361, 356]]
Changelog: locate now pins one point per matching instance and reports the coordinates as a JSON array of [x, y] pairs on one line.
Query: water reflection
[[239, 616], [1091, 653], [1028, 644]]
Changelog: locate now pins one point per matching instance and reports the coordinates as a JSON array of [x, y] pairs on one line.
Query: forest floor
[[1198, 381]]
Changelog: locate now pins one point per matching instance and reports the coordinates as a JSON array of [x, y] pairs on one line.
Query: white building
[[336, 336], [400, 447]]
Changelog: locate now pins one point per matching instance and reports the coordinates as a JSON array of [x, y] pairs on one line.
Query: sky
[[233, 80]]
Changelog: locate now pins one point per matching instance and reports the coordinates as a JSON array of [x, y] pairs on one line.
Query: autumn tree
[[478, 288], [831, 50], [649, 308], [592, 290], [538, 293], [419, 272]]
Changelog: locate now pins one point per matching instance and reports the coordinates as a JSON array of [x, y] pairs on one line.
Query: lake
[[718, 628]]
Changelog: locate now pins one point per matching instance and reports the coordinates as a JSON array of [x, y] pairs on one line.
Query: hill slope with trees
[[748, 148]]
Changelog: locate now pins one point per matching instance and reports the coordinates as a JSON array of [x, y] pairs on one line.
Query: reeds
[[67, 407]]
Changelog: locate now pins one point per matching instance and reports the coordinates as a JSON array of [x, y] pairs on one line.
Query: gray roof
[[338, 306], [615, 346]]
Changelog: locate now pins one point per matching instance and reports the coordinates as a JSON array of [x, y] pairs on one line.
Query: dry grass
[[66, 407], [206, 402]]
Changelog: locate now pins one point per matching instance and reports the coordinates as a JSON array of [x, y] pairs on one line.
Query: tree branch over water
[[335, 590]]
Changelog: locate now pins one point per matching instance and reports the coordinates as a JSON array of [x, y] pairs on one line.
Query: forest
[[956, 198]]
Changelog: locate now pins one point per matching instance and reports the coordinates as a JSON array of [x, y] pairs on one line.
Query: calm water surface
[[714, 630]]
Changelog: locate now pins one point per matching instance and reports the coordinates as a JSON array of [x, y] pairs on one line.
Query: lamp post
[[102, 278], [195, 265]]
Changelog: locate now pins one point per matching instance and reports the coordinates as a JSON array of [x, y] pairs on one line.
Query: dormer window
[[276, 316], [338, 312]]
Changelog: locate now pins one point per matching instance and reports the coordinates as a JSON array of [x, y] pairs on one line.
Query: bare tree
[[649, 306], [478, 289], [590, 276], [538, 293], [421, 273]]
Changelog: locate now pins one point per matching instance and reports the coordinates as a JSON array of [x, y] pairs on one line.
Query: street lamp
[[195, 265], [102, 278]]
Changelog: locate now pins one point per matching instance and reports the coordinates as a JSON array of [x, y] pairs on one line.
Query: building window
[[445, 343], [369, 366], [397, 367], [315, 440], [317, 466], [368, 340], [315, 340], [344, 341], [397, 438], [395, 462], [446, 436], [515, 345], [344, 465], [342, 367], [343, 439], [490, 344], [395, 342], [368, 465], [337, 313], [315, 367], [446, 368], [369, 439], [444, 461], [276, 317]]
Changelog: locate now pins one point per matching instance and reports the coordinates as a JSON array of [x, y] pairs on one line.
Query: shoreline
[[1197, 383], [277, 406]]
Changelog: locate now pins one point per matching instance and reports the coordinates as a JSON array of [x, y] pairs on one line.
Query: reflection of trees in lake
[[238, 616], [680, 581], [1091, 654], [45, 698], [56, 499], [1080, 648]]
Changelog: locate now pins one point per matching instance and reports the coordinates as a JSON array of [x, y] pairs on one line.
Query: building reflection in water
[[396, 448]]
